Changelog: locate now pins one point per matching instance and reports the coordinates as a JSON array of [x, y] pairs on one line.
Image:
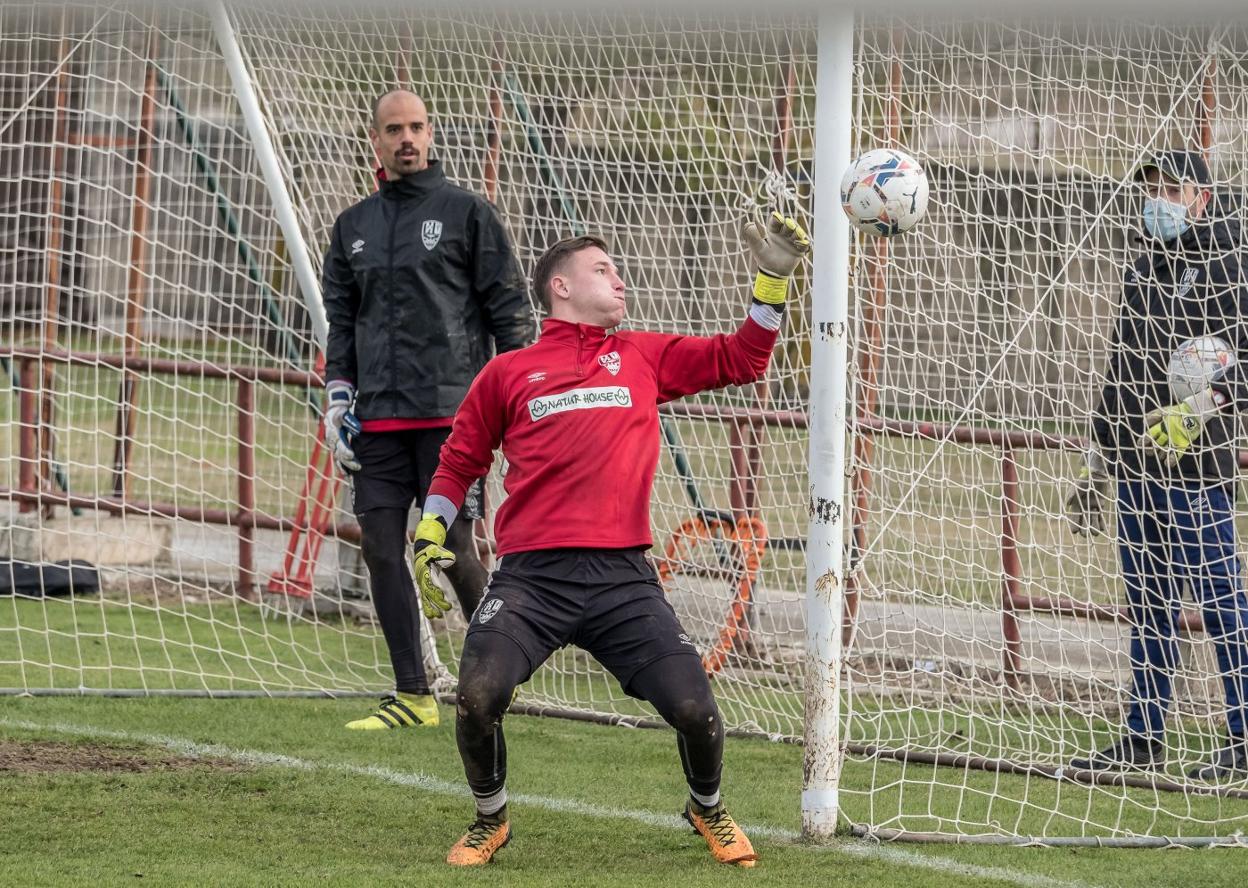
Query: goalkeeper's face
[[401, 134], [588, 289]]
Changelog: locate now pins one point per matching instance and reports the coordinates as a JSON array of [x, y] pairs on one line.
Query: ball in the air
[[884, 192]]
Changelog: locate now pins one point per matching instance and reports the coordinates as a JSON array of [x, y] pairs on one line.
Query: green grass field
[[274, 792], [256, 818]]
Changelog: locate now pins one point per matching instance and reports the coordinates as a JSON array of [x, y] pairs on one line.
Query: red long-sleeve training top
[[576, 414]]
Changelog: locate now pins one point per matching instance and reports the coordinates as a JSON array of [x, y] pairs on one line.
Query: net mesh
[[144, 247]]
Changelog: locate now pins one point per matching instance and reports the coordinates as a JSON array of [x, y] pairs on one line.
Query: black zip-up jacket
[[1193, 288], [418, 278]]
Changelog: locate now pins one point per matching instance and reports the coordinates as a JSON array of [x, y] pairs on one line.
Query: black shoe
[[1228, 763], [1127, 753]]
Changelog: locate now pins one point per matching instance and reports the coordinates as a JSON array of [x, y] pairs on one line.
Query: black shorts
[[606, 601], [396, 469]]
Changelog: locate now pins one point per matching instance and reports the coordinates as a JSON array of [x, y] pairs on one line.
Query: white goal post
[[828, 429], [868, 546]]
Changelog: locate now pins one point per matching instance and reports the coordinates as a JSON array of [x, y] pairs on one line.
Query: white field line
[[854, 848]]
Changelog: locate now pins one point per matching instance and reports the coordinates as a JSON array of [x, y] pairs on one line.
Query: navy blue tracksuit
[[1171, 536], [1176, 524]]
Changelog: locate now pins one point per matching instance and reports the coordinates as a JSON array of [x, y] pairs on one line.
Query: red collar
[[556, 330]]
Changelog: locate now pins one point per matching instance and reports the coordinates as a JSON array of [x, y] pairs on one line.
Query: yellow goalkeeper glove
[[1172, 430], [777, 252], [428, 549]]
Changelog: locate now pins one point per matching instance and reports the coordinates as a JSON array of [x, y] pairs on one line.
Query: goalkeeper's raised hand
[[429, 548], [777, 252], [1172, 430], [1085, 505], [340, 425]]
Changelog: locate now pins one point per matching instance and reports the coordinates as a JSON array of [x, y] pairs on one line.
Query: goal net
[[160, 403]]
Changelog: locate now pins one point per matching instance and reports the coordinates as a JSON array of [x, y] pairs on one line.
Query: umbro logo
[[538, 376], [357, 247], [611, 361]]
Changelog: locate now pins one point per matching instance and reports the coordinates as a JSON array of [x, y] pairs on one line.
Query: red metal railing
[[1013, 601], [32, 494]]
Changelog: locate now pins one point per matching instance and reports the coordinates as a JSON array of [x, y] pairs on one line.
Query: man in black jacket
[[1174, 461], [421, 286]]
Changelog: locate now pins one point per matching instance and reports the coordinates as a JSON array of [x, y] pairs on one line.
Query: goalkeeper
[[577, 417], [420, 286], [1174, 464]]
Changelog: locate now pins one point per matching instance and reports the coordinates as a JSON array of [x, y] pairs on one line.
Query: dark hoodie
[[1174, 292], [421, 288]]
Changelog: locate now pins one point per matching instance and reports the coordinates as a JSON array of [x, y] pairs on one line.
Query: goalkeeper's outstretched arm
[[685, 365]]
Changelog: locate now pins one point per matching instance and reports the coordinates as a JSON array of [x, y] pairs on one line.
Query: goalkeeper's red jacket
[[576, 414]]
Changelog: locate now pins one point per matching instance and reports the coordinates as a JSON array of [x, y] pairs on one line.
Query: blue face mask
[[1165, 220]]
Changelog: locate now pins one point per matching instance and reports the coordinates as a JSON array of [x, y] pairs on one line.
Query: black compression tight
[[676, 686], [491, 667], [383, 543], [678, 689]]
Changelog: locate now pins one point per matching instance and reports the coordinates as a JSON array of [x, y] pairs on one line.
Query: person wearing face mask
[[1173, 462]]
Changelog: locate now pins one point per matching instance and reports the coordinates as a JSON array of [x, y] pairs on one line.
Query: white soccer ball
[[1197, 363], [884, 192]]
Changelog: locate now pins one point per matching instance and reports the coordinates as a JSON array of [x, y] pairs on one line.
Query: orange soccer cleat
[[488, 833], [726, 840]]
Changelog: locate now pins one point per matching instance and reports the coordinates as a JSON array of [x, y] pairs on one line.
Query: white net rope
[[614, 127], [990, 324], [659, 136], [140, 230]]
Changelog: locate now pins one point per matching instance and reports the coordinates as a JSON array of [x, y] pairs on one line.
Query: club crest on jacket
[[1190, 277], [611, 361], [430, 233]]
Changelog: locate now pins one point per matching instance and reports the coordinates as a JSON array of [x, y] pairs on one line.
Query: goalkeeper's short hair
[[551, 262]]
